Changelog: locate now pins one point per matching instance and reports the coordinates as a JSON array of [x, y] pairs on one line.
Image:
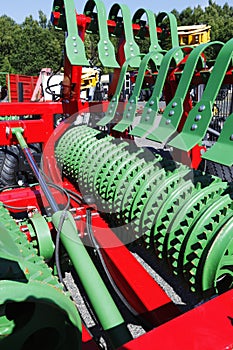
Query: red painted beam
[[138, 287], [207, 327]]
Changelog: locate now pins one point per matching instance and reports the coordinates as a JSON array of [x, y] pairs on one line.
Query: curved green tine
[[113, 104], [152, 105], [154, 43], [173, 30], [131, 49], [174, 110], [75, 49], [200, 116], [131, 107], [221, 151], [106, 49]]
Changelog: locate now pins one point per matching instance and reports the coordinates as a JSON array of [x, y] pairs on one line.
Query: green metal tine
[[174, 110], [200, 116], [113, 104], [154, 43], [173, 30], [106, 49], [152, 105], [75, 49], [221, 151], [130, 109], [131, 49]]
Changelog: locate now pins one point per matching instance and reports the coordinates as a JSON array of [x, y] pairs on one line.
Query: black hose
[[97, 247]]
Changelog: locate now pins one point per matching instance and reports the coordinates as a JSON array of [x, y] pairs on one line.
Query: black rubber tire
[[222, 171], [9, 164]]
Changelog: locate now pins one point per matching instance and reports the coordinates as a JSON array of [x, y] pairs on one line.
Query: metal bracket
[[131, 49], [200, 116], [75, 49], [221, 151], [113, 104], [130, 109], [105, 47], [174, 110], [152, 106], [154, 43]]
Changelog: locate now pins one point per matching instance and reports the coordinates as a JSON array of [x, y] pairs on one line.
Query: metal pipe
[[100, 298], [28, 154], [214, 132]]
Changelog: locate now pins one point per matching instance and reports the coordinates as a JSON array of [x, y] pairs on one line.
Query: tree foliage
[[28, 47]]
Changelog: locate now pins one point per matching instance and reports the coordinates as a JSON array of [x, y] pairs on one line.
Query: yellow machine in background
[[194, 34]]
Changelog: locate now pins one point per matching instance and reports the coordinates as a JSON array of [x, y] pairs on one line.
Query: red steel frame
[[208, 326]]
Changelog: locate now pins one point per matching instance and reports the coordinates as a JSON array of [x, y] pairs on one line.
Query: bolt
[[198, 117], [149, 110], [128, 115], [174, 104], [105, 42], [231, 137], [75, 51], [106, 54], [131, 44], [147, 118], [194, 127], [8, 130], [132, 101], [105, 48], [168, 121], [151, 103], [171, 113], [74, 44], [201, 108], [74, 38], [155, 46]]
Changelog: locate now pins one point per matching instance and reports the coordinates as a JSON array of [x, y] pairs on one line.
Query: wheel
[[222, 171], [9, 165], [13, 164]]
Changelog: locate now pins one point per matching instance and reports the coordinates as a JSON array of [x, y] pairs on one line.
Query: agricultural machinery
[[126, 203]]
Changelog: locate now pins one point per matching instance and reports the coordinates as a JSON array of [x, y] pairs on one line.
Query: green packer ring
[[172, 204], [131, 172], [67, 155], [90, 177], [133, 187], [49, 317], [194, 244], [111, 170], [69, 140], [154, 181], [73, 167], [119, 172], [35, 305], [217, 263], [89, 162], [197, 241], [155, 201], [185, 219]]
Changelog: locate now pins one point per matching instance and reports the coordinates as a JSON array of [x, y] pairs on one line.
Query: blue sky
[[18, 10]]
